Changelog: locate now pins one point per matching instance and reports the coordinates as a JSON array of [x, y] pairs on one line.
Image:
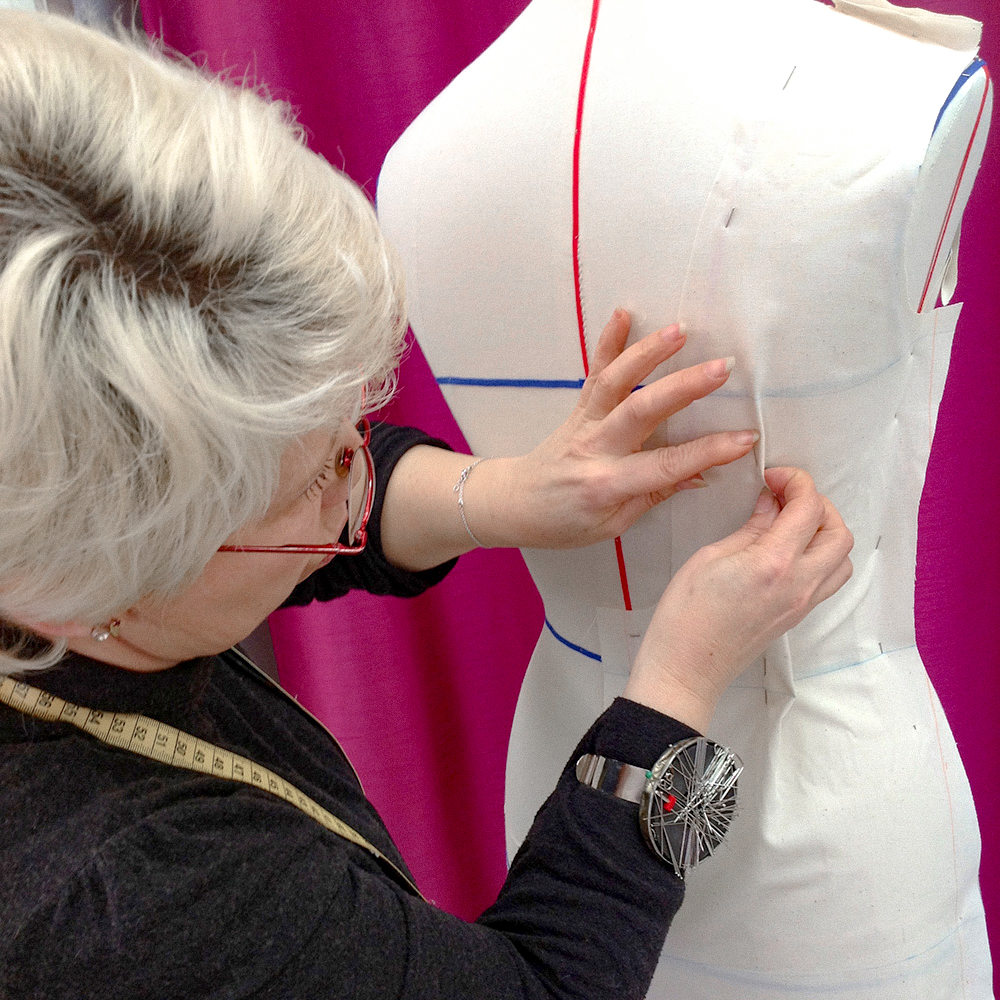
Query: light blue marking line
[[856, 985], [959, 84], [818, 673], [514, 383], [859, 663], [809, 390], [572, 645]]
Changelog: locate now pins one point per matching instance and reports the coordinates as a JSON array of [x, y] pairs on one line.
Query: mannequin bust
[[787, 181]]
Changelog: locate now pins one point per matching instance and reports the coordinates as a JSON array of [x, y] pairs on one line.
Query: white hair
[[185, 289]]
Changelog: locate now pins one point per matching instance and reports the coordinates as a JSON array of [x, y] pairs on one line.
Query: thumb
[[764, 513], [758, 523]]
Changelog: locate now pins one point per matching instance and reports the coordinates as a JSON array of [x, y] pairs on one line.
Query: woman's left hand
[[587, 481], [591, 479]]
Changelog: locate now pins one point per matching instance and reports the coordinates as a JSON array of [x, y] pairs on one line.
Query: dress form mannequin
[[760, 173]]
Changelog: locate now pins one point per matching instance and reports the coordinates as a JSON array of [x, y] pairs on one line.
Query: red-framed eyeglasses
[[360, 496]]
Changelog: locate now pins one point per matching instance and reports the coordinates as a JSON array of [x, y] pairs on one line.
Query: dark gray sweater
[[126, 878]]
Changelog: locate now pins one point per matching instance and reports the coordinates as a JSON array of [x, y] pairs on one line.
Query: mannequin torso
[[759, 173]]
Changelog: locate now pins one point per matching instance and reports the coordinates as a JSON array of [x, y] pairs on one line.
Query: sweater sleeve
[[371, 571], [253, 899], [582, 915]]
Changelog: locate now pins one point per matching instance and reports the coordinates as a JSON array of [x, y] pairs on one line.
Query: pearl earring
[[101, 633]]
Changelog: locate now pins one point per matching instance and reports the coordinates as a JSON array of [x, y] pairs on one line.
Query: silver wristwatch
[[686, 800]]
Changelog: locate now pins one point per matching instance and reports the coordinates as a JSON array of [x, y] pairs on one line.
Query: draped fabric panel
[[421, 692]]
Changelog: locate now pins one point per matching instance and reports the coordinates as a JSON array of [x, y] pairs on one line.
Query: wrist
[[664, 692], [459, 490], [489, 508]]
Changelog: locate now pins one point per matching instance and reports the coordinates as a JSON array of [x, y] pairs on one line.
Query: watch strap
[[624, 781]]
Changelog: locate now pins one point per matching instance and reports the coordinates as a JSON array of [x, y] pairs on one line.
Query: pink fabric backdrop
[[425, 713]]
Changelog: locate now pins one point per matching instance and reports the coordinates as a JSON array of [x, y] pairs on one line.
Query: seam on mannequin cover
[[955, 191]]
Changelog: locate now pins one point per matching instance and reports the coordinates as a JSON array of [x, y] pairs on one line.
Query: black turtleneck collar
[[170, 695]]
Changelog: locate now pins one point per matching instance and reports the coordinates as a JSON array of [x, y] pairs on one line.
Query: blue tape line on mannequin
[[805, 391], [514, 383], [959, 84], [572, 645]]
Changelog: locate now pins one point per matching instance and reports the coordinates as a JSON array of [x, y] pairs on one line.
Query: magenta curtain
[[422, 692]]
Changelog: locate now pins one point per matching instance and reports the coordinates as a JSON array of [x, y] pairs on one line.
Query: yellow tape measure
[[158, 741]]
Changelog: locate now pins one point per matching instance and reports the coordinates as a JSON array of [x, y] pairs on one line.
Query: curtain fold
[[422, 692]]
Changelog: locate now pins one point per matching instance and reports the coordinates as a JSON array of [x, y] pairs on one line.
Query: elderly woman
[[195, 315]]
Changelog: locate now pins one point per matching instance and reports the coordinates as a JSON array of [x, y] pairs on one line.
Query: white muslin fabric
[[787, 181]]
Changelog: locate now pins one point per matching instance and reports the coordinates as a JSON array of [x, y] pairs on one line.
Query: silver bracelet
[[459, 488]]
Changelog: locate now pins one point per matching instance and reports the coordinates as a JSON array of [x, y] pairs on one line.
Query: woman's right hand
[[732, 598]]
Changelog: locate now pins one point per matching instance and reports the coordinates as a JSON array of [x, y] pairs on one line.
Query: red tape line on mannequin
[[954, 194], [584, 74]]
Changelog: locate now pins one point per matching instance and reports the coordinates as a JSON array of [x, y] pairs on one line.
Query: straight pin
[[730, 219], [879, 540], [880, 649], [790, 75]]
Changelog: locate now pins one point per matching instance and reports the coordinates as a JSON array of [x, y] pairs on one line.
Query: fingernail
[[747, 437], [720, 367], [692, 484], [671, 334], [764, 501]]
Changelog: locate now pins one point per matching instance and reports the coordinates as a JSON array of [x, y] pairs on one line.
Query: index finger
[[606, 388], [612, 341]]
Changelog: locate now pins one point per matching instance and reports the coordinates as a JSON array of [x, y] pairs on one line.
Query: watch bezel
[[689, 801]]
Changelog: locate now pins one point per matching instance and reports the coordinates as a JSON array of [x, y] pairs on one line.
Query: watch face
[[689, 801]]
